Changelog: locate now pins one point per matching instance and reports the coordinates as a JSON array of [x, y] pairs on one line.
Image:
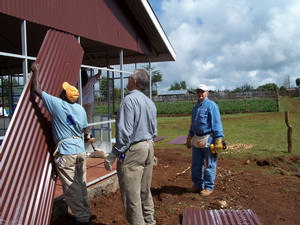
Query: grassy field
[[226, 106], [262, 134]]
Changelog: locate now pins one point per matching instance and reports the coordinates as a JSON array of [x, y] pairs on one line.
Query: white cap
[[202, 87]]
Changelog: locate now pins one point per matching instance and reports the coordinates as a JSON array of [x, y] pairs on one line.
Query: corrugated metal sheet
[[27, 186], [195, 216]]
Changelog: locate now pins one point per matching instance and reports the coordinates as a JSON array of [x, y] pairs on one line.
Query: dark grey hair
[[142, 79]]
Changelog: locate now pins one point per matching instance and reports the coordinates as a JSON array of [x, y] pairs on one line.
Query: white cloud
[[227, 44]]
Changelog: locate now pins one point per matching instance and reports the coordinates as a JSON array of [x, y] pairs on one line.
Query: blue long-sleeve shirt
[[206, 119], [135, 122]]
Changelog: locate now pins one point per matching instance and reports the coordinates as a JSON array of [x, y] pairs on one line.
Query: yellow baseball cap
[[71, 92]]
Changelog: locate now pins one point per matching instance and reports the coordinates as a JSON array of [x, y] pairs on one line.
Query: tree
[[183, 85], [245, 87], [268, 87], [175, 86], [156, 77], [103, 86], [117, 92], [178, 86], [298, 82], [282, 88]]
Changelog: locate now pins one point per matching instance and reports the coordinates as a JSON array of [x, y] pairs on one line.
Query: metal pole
[[24, 50], [108, 94], [150, 81], [121, 74], [79, 81], [113, 93]]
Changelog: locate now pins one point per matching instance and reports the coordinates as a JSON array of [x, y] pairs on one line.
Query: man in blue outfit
[[206, 129], [68, 119], [136, 127]]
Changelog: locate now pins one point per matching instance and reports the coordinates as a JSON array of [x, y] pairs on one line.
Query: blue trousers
[[204, 176]]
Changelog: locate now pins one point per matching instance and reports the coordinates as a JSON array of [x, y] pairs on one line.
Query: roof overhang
[[104, 27]]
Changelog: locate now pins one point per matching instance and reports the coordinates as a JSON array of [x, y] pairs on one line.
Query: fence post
[[277, 99], [216, 100], [289, 131], [245, 101], [168, 108]]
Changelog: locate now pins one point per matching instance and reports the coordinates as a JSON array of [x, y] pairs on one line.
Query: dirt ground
[[269, 188]]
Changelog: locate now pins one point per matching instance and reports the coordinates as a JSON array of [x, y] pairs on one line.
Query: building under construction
[[64, 37]]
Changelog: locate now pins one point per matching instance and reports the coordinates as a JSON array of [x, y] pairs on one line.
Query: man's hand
[[34, 67], [188, 141], [35, 84], [218, 144], [109, 160], [98, 74]]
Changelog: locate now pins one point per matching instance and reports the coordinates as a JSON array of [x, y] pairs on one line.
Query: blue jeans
[[204, 177]]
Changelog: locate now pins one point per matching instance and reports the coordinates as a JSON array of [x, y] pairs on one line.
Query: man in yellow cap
[[68, 120]]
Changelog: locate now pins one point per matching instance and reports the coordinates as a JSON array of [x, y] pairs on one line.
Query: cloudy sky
[[229, 43]]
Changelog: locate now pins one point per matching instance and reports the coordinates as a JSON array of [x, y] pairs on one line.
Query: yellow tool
[[214, 151]]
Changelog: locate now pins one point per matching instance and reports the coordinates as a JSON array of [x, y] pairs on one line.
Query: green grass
[[226, 106], [265, 133], [240, 105]]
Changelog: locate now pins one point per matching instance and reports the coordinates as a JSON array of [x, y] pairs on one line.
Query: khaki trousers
[[71, 170], [135, 175]]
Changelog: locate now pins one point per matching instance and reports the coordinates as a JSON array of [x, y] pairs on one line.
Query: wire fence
[[263, 101]]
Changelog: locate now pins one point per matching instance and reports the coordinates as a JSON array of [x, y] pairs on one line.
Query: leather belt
[[203, 134]]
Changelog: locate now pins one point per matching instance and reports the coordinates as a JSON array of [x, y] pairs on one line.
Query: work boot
[[194, 189], [88, 138], [206, 192]]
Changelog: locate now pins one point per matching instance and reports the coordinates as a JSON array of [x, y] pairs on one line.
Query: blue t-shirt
[[68, 121], [206, 119]]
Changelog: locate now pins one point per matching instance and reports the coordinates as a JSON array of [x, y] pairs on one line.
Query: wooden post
[[277, 99], [289, 131], [191, 94], [168, 108], [216, 101], [245, 101]]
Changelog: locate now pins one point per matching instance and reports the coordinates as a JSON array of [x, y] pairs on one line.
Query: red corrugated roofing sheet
[[27, 186], [193, 216]]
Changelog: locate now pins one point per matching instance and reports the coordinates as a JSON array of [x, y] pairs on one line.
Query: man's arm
[[35, 85], [98, 75]]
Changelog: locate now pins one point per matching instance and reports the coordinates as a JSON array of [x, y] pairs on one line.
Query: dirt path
[[273, 197]]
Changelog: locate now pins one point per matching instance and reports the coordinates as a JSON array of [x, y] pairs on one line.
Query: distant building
[[173, 92], [174, 95]]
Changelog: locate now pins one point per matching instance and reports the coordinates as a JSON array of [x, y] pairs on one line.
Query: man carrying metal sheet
[[68, 120], [136, 126]]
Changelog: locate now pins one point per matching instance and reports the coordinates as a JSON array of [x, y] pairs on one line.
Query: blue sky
[[227, 44]]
